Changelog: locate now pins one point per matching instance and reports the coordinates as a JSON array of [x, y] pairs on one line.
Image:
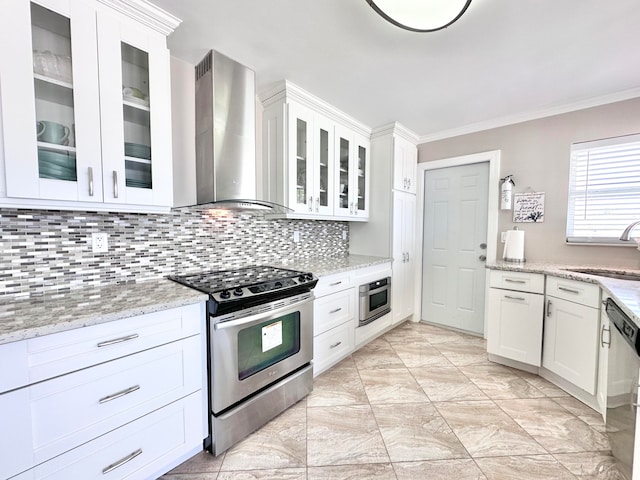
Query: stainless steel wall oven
[[260, 336], [375, 300]]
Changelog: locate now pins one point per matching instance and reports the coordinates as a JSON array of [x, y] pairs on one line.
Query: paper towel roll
[[514, 246]]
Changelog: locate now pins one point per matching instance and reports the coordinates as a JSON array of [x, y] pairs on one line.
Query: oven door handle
[[260, 317], [375, 290]]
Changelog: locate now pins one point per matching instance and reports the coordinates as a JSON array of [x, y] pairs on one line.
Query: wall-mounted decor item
[[528, 207]]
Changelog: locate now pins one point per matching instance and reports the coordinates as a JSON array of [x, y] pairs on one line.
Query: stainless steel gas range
[[260, 339]]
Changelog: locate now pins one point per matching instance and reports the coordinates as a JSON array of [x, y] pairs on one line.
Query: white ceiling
[[503, 61]]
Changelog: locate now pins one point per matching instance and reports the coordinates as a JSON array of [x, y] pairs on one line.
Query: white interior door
[[454, 246]]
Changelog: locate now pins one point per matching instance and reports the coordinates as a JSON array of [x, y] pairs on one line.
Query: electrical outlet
[[99, 243], [344, 234], [296, 236], [503, 237]]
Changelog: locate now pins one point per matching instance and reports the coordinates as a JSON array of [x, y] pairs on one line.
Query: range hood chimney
[[225, 135]]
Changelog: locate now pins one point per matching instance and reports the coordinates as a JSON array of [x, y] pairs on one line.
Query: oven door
[[254, 348]]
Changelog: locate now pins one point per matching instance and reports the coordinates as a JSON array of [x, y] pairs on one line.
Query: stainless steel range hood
[[225, 136]]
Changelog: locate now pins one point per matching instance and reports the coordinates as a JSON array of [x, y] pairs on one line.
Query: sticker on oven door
[[271, 336]]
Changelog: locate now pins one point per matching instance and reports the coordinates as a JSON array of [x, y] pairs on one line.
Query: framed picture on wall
[[528, 207]]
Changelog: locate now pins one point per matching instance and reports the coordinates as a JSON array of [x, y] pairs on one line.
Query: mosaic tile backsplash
[[44, 251]]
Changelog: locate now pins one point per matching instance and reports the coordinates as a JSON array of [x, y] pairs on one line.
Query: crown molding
[[397, 129], [533, 115], [146, 13], [287, 91]]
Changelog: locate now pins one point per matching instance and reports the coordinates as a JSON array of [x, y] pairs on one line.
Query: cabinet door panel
[[344, 172], [514, 327], [323, 165], [571, 342], [300, 149], [332, 346]]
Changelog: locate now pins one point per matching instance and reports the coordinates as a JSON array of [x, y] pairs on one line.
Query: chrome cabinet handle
[[404, 257], [407, 256], [511, 280], [121, 462], [408, 183], [351, 209], [335, 283], [317, 204], [115, 184], [570, 290], [602, 342], [118, 340], [122, 393], [311, 204], [337, 344], [521, 299], [549, 308], [91, 181], [404, 183], [335, 311]]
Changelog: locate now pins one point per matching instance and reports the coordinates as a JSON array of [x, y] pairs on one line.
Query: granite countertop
[[35, 316], [626, 293], [328, 266]]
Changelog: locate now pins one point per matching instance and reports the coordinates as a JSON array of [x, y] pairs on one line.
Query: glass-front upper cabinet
[[344, 204], [323, 166], [352, 176], [50, 101], [135, 99], [300, 159], [361, 202]]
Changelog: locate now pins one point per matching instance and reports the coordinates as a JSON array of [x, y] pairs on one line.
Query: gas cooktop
[[230, 290]]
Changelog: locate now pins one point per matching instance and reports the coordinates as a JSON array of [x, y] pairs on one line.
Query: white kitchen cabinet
[[392, 214], [604, 344], [102, 379], [405, 163], [402, 286], [515, 316], [86, 105], [315, 158], [571, 332]]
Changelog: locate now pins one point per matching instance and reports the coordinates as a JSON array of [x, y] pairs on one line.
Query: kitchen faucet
[[627, 231]]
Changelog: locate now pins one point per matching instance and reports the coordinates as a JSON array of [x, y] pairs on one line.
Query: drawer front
[[110, 395], [332, 310], [333, 345], [519, 281], [14, 354], [138, 450], [60, 353], [333, 283], [16, 440], [583, 293]]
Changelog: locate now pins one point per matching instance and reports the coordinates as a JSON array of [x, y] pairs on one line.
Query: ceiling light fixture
[[420, 15]]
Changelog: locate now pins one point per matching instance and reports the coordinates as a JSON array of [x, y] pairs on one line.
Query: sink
[[621, 275]]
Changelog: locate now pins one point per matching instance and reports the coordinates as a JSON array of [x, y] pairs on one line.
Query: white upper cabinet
[[315, 158], [86, 118], [405, 156]]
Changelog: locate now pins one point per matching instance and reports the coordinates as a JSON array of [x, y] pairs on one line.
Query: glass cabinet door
[[361, 175], [300, 159], [343, 183], [323, 167]]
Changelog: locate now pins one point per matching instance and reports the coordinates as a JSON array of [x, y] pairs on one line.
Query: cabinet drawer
[[587, 294], [333, 345], [333, 283], [61, 413], [139, 450], [332, 310], [520, 281], [52, 355]]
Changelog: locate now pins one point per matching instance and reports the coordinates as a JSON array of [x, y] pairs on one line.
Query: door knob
[[483, 246], [482, 257]]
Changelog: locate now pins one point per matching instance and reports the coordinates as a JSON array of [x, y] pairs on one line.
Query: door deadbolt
[[483, 246]]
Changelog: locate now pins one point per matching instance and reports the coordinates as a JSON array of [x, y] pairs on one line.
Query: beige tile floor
[[420, 402]]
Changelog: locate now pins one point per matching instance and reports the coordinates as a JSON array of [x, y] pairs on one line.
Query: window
[[604, 190]]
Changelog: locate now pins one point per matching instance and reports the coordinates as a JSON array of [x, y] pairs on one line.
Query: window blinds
[[604, 190]]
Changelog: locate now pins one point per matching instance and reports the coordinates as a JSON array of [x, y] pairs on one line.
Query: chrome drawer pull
[[335, 283], [337, 344], [548, 308], [570, 290], [91, 181], [124, 392], [118, 340], [514, 281], [115, 184], [522, 299], [336, 310], [122, 461]]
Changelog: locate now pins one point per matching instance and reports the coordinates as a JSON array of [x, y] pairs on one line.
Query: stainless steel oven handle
[[259, 317], [375, 290]]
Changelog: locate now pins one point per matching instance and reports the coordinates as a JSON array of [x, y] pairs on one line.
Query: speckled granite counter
[[327, 266], [32, 317], [626, 293]]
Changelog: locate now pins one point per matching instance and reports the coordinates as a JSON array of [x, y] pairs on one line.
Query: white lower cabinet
[[604, 343], [118, 394], [571, 342], [332, 346], [515, 315]]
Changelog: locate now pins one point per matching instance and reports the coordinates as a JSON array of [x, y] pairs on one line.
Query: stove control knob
[[302, 278], [308, 276], [238, 292], [277, 285], [225, 294]]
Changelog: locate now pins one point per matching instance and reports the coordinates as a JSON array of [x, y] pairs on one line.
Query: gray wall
[[536, 153], [47, 251]]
